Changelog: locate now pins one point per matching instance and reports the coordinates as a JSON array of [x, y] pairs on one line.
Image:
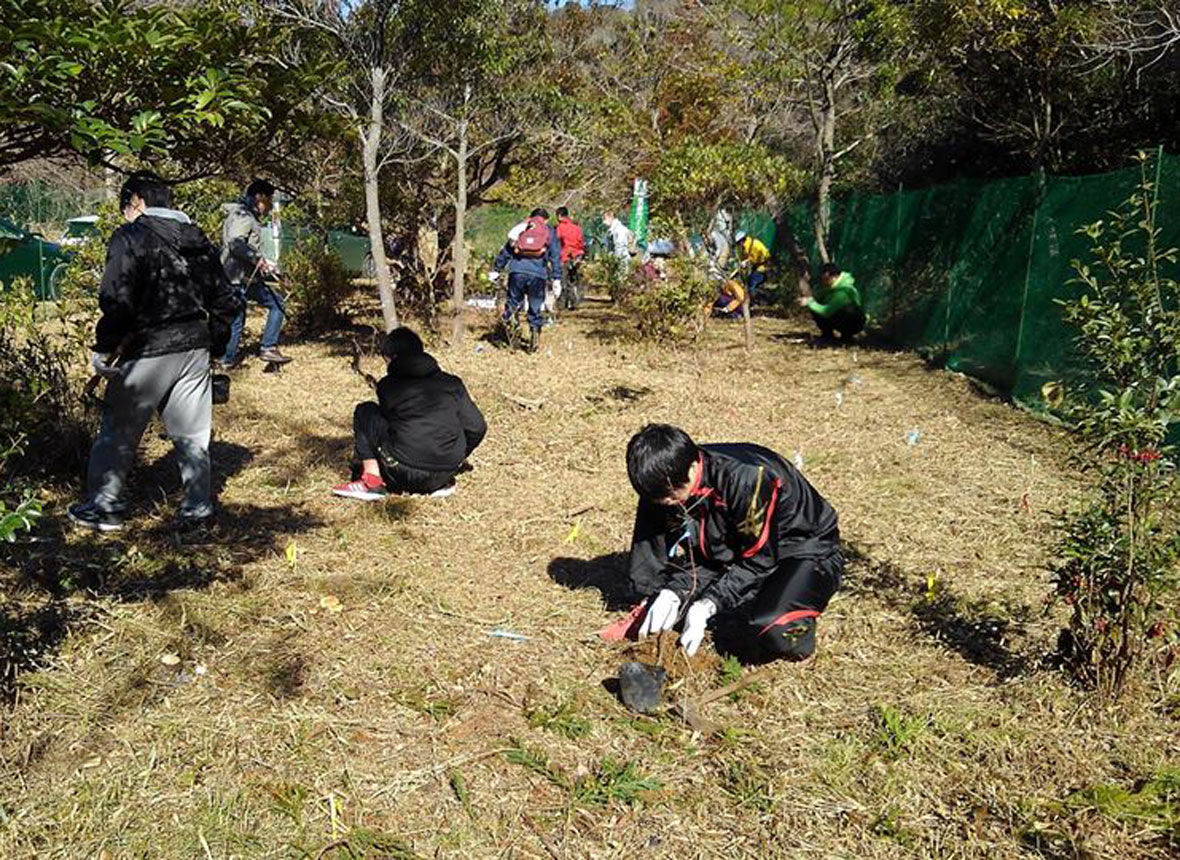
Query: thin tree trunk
[[748, 322], [825, 151], [800, 264], [459, 242], [370, 149]]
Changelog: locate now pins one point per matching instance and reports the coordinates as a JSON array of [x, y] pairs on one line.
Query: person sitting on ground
[[166, 308], [573, 248], [532, 256], [753, 257], [729, 302], [250, 272], [837, 309], [419, 434], [730, 530]]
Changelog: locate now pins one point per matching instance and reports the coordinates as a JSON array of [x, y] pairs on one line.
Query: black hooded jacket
[[163, 290], [748, 511], [433, 423]]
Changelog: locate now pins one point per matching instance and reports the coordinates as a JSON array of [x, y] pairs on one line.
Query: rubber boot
[[534, 339], [510, 330]]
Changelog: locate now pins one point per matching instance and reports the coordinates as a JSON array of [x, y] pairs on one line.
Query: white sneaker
[[443, 492]]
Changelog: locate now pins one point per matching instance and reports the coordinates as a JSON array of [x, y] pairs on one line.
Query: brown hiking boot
[[273, 356]]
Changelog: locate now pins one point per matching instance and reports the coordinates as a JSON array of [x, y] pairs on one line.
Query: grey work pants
[[178, 386]]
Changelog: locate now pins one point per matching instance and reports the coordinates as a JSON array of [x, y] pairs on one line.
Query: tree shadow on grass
[[309, 450], [161, 477], [865, 342], [339, 339], [977, 630], [609, 324], [142, 562], [607, 574]]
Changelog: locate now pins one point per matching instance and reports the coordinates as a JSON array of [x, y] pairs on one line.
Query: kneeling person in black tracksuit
[[730, 530], [417, 437]]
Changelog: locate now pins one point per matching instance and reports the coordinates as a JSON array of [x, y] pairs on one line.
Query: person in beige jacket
[[250, 273]]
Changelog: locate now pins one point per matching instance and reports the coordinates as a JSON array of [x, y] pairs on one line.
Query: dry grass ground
[[927, 725]]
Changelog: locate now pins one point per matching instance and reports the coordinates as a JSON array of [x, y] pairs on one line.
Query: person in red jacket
[[573, 248]]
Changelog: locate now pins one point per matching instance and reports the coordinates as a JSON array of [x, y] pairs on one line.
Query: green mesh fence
[[967, 273]]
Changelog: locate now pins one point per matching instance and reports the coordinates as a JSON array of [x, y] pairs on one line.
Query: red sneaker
[[369, 488]]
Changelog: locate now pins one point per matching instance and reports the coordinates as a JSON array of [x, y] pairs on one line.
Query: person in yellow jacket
[[729, 302], [754, 257]]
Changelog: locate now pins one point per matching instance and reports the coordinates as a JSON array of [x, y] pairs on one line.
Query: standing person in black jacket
[[417, 437], [166, 307], [730, 530]]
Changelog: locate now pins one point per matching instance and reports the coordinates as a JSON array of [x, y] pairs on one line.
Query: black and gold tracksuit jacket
[[748, 511]]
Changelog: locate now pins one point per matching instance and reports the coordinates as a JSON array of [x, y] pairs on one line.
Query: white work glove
[[695, 619], [493, 276], [557, 288], [662, 613], [101, 362]]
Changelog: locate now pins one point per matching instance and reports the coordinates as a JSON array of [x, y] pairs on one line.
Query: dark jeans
[[276, 308], [373, 441], [719, 308], [847, 322], [571, 295], [782, 618], [754, 283], [520, 286]]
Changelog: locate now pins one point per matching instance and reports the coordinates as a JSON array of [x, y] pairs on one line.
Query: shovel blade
[[640, 686]]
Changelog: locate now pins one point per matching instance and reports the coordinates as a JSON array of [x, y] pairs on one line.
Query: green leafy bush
[[202, 201], [84, 271], [611, 274], [26, 511], [45, 423], [675, 307], [316, 283], [1119, 567]]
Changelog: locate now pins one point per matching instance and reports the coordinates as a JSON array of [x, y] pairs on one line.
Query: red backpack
[[533, 239]]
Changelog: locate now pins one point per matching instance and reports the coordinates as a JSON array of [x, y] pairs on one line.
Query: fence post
[[894, 279], [1159, 163], [1032, 239]]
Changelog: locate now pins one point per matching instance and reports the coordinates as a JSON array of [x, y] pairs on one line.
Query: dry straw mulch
[[335, 691]]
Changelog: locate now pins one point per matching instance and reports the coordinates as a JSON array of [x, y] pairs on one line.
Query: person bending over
[[418, 435], [753, 258], [730, 531], [837, 309], [729, 301]]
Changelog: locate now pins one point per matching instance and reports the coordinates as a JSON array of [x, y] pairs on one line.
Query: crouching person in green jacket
[[837, 308]]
